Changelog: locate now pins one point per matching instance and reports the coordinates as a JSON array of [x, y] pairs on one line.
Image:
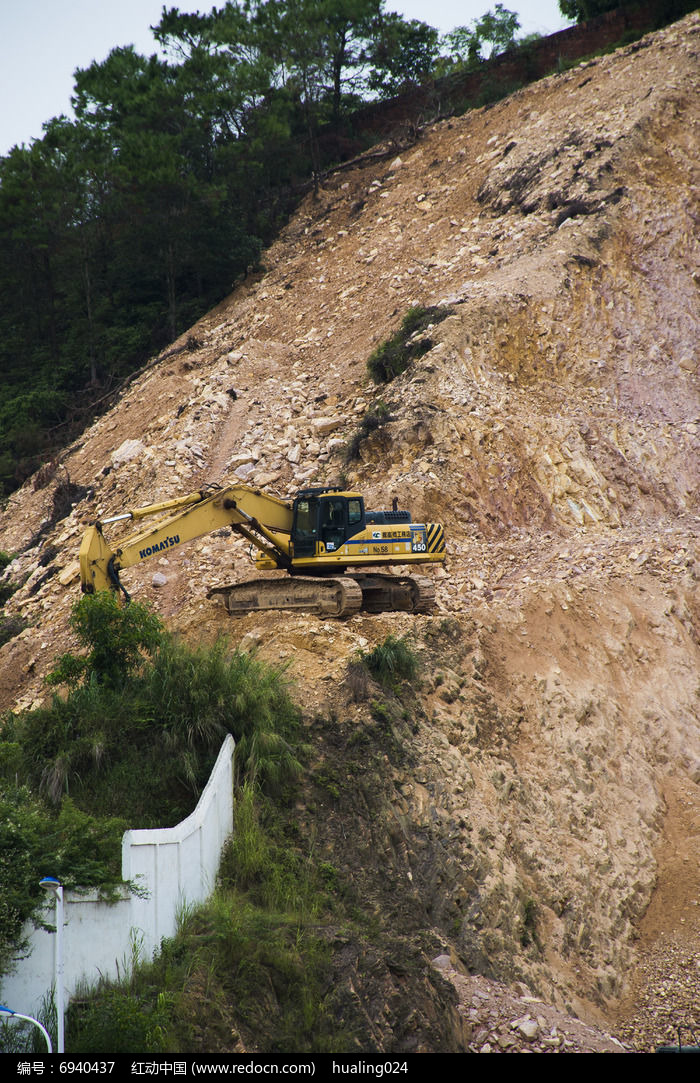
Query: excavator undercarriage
[[339, 596]]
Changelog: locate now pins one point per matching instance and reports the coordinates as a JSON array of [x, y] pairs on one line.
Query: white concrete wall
[[175, 866]]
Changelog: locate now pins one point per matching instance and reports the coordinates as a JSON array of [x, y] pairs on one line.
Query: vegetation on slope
[[250, 969], [130, 745], [297, 950], [287, 953], [121, 227], [411, 341]]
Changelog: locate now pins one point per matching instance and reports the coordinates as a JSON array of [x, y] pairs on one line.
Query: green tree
[[168, 186], [226, 73], [36, 209], [495, 30], [331, 50], [45, 335], [582, 10], [120, 228], [401, 53], [117, 638], [317, 50], [349, 26]]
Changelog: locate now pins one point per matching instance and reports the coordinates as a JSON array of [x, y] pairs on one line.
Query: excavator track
[[333, 597], [396, 593], [325, 597]]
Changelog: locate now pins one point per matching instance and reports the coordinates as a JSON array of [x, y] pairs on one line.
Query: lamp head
[[50, 884]]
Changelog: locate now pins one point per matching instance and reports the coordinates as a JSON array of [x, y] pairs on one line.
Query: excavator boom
[[192, 516]]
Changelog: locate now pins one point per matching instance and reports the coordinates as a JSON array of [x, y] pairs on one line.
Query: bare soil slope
[[553, 798]]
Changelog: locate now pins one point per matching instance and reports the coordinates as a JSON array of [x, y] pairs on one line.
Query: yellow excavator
[[316, 539]]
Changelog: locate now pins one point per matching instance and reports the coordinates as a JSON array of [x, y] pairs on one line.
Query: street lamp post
[[30, 1019], [55, 888]]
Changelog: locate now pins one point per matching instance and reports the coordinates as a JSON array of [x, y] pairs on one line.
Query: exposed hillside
[[553, 787]]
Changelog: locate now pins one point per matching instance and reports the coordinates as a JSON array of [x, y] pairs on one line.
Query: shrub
[[393, 357], [74, 846], [375, 417], [147, 747], [116, 636]]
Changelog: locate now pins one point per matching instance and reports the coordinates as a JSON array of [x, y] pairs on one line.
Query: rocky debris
[[668, 984], [126, 452], [662, 998], [501, 1020], [552, 427]]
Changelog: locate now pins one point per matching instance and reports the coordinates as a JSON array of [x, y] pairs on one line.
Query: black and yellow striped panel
[[436, 538]]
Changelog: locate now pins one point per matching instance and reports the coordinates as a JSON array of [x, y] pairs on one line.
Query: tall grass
[[392, 661], [201, 695], [264, 861], [236, 977], [251, 968]]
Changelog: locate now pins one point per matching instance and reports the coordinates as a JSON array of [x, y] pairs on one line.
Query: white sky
[[42, 42]]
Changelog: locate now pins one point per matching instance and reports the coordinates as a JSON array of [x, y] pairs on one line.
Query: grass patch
[[388, 664], [393, 356], [235, 978], [392, 661], [266, 861]]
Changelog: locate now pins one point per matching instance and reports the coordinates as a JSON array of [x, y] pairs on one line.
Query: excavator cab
[[329, 516]]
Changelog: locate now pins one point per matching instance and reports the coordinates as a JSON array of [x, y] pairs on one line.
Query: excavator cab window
[[333, 526], [327, 518], [355, 515], [305, 526]]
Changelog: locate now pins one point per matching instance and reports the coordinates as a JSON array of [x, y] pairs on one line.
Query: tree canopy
[[121, 226], [582, 10], [495, 30]]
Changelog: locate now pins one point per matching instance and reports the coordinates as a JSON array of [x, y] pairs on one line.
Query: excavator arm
[[264, 520]]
